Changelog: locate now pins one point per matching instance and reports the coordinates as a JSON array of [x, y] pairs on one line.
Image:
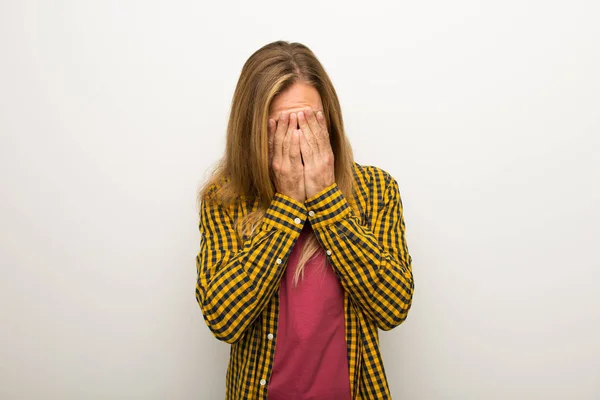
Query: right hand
[[284, 156]]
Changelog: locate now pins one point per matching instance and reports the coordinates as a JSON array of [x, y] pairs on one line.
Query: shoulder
[[372, 177], [374, 188], [212, 190], [213, 200]]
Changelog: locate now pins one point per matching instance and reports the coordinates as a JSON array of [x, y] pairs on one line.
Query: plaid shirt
[[237, 286]]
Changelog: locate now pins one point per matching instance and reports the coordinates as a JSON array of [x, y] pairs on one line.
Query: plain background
[[486, 112]]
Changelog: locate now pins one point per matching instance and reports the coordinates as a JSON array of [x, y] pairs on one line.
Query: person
[[303, 253]]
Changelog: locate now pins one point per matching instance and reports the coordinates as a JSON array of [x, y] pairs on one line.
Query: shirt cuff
[[286, 214], [327, 206]]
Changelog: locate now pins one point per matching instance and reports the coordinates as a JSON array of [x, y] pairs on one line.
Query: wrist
[[327, 206], [295, 196]]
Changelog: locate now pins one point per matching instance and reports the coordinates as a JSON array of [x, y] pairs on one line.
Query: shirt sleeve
[[374, 266], [235, 282]]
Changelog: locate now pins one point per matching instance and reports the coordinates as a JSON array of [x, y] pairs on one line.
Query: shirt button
[[270, 336], [297, 220], [311, 213], [328, 252], [263, 382], [278, 261]]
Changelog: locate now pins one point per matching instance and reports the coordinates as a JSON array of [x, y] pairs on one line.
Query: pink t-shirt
[[311, 361]]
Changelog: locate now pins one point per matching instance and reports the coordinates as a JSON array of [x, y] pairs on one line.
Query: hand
[[284, 156], [316, 152]]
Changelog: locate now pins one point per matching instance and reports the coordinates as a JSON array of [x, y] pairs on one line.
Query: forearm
[[234, 290], [380, 281]]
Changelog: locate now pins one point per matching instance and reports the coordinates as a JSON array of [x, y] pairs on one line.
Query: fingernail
[[300, 114], [320, 115]]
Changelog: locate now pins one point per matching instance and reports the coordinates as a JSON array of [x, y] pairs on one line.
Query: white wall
[[486, 112]]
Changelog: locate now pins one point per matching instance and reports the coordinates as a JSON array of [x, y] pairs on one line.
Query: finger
[[306, 150], [295, 148], [321, 120], [314, 124], [282, 126], [271, 127], [310, 136], [293, 123], [324, 142], [287, 140]]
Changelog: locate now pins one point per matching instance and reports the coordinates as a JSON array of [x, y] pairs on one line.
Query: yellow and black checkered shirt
[[238, 285]]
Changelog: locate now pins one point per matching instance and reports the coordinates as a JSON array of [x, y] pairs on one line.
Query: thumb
[[295, 156]]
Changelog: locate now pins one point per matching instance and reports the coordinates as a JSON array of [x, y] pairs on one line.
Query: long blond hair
[[243, 172]]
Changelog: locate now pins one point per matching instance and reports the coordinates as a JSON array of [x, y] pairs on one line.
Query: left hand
[[316, 150]]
